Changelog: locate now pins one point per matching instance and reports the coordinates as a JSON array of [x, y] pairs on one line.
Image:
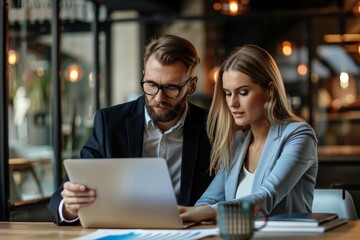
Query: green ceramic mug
[[236, 219]]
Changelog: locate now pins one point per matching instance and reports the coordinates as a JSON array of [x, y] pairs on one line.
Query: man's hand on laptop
[[76, 196], [197, 214]]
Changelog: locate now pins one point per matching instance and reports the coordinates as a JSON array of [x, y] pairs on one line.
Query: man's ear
[[192, 87]]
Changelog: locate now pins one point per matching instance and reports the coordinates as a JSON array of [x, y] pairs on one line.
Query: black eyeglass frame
[[161, 86]]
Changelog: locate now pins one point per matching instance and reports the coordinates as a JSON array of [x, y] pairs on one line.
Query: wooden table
[[47, 230]]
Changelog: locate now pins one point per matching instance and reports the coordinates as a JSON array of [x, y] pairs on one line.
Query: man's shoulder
[[197, 109], [196, 114]]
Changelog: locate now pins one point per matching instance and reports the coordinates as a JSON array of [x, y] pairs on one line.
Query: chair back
[[334, 201]]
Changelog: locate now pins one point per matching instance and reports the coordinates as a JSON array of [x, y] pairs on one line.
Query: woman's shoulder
[[294, 127], [297, 125]]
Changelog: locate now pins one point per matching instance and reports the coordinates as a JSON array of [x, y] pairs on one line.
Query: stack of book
[[301, 222]]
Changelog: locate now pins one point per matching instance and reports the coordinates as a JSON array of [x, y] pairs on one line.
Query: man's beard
[[170, 114]]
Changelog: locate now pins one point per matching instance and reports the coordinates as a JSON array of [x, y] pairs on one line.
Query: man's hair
[[169, 49]]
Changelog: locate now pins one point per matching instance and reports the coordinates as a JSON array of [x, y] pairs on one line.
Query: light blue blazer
[[286, 174]]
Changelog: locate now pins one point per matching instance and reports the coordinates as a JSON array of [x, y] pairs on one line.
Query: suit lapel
[[191, 140], [270, 147], [135, 129]]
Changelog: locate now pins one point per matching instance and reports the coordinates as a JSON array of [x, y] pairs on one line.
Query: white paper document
[[130, 234]]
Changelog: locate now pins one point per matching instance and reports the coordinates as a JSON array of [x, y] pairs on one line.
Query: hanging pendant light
[[231, 7]]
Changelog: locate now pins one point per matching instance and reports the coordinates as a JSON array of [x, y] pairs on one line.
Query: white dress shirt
[[167, 145]]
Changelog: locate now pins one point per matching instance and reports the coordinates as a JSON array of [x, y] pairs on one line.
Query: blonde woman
[[262, 151]]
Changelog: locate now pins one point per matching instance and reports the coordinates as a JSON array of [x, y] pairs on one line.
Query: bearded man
[[160, 123]]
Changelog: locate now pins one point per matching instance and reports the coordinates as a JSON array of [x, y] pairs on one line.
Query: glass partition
[[31, 152]]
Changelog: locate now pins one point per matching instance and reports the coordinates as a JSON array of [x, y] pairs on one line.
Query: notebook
[[301, 222], [130, 193], [300, 219]]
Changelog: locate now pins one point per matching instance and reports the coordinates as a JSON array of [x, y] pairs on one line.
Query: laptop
[[130, 193]]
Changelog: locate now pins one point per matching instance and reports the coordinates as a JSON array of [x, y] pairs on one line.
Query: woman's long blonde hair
[[259, 65]]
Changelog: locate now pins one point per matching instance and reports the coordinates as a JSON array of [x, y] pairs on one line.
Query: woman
[[262, 152]]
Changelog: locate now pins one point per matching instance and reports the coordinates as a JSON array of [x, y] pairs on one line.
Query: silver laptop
[[130, 193]]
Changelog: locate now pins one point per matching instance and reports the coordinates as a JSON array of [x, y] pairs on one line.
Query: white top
[[245, 183]]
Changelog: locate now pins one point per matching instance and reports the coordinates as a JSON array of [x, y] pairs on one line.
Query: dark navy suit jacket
[[118, 133]]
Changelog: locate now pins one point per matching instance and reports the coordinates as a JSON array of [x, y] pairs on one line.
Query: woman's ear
[[270, 90]]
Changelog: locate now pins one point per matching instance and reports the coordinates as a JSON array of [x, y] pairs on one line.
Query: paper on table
[[130, 234]]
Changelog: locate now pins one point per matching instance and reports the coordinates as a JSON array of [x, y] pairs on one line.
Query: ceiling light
[[74, 73], [302, 69], [344, 80], [356, 7], [13, 57], [286, 48], [231, 7]]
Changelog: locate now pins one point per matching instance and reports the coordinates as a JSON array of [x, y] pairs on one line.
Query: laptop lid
[[131, 193]]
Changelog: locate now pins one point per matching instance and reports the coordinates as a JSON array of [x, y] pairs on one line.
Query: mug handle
[[257, 209]]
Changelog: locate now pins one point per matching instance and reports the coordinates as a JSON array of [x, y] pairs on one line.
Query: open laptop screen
[[131, 193]]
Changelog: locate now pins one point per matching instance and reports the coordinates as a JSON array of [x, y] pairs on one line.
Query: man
[[161, 123]]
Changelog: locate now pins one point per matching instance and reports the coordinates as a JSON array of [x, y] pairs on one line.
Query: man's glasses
[[169, 90]]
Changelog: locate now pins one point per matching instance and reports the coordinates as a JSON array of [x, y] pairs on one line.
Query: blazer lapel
[[241, 144], [190, 147], [135, 129], [270, 147]]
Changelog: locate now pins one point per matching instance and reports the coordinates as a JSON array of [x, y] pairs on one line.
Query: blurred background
[[316, 44]]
